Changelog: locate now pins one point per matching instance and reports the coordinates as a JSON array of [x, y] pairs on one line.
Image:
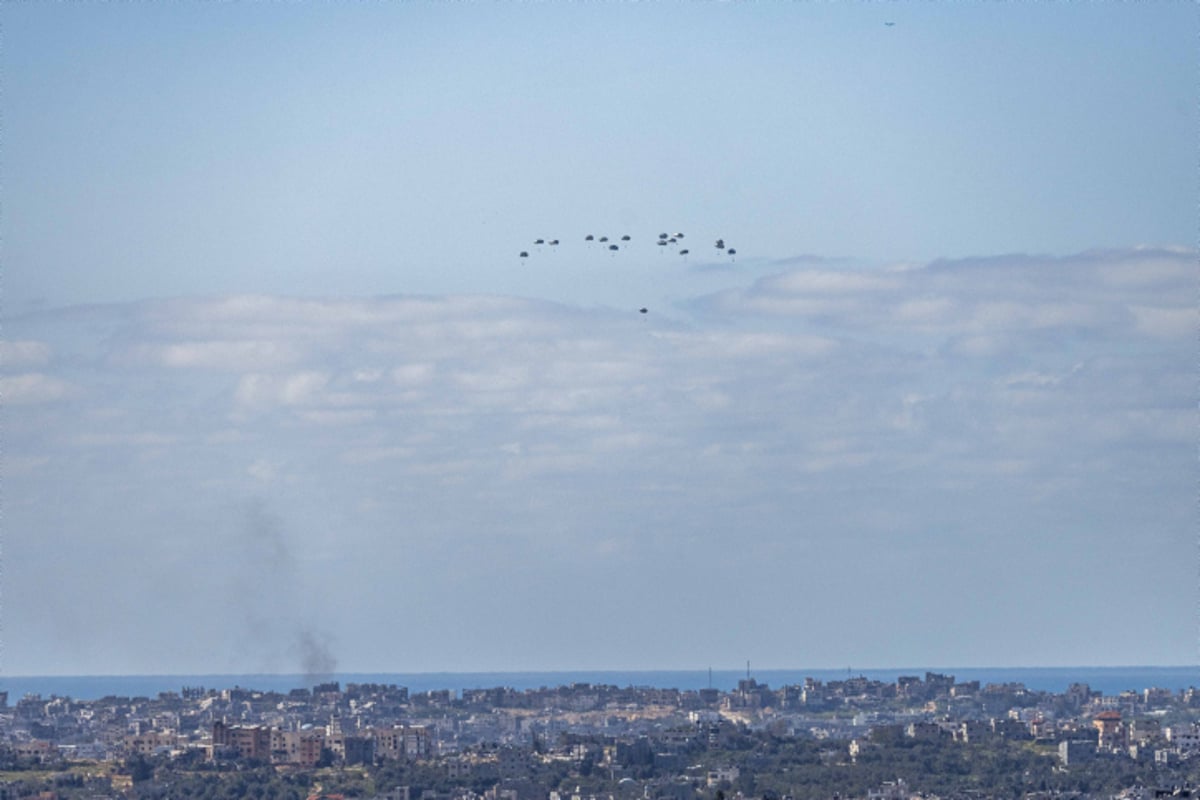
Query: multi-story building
[[1184, 738], [248, 741], [302, 747], [1112, 732], [403, 742]]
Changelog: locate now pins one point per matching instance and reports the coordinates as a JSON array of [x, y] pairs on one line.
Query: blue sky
[[267, 335]]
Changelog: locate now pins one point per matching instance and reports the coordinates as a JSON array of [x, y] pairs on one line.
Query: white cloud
[[336, 417], [500, 378], [1105, 292], [24, 465], [926, 311], [822, 282], [33, 388], [23, 354], [263, 470], [133, 439], [412, 374], [373, 455], [1167, 323], [735, 344], [234, 356], [1145, 267], [258, 392]]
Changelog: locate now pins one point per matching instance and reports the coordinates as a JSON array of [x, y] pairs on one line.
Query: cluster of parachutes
[[664, 240]]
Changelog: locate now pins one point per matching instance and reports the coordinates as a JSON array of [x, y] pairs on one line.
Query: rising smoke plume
[[276, 633]]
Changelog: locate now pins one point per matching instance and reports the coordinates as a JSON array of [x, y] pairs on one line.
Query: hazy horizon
[[724, 671]]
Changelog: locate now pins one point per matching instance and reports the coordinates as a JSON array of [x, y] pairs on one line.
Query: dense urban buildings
[[919, 736]]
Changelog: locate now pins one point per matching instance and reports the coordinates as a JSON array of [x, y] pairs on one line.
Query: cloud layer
[[822, 466]]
